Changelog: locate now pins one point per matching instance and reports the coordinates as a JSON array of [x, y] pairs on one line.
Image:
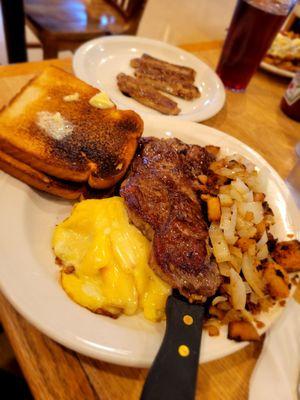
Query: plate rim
[[109, 355], [277, 71], [78, 58]]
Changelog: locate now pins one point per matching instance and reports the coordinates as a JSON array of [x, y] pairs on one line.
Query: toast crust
[[100, 147], [38, 180], [49, 184]]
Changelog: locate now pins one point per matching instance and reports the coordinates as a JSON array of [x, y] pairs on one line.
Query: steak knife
[[173, 374]]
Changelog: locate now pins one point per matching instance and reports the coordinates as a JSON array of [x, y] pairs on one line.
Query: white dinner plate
[[99, 61], [277, 71], [29, 277]]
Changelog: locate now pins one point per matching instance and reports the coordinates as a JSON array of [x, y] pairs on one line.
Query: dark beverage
[[253, 27]]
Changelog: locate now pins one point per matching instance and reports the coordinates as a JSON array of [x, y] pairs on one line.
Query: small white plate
[[29, 277], [99, 61], [277, 71]]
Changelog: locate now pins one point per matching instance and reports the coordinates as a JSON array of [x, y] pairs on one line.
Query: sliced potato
[[255, 207], [215, 165], [245, 243], [203, 179], [213, 330], [249, 216], [236, 195], [232, 315], [212, 325], [259, 197], [216, 312], [225, 200], [242, 224], [213, 208], [242, 331], [252, 250], [247, 232], [225, 189], [236, 251], [277, 280], [261, 228], [214, 150], [287, 254]]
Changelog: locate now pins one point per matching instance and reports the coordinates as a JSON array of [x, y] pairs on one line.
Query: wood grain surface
[[54, 372], [66, 24]]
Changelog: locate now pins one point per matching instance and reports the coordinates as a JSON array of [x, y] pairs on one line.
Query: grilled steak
[[161, 202], [150, 65], [185, 90], [146, 94]]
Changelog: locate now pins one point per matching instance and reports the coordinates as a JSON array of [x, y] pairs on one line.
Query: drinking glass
[[253, 27]]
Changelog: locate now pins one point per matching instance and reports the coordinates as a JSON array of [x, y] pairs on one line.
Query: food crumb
[[259, 324], [282, 303], [69, 269], [295, 280], [213, 330], [71, 97], [203, 179], [58, 260]]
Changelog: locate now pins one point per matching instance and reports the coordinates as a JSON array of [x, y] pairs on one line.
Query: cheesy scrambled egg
[[110, 260]]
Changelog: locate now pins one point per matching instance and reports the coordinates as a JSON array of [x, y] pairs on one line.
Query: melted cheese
[[110, 257]]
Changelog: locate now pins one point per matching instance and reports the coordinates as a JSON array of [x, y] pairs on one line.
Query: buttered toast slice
[[49, 184], [52, 127], [38, 179]]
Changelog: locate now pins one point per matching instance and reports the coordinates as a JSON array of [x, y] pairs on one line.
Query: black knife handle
[[173, 374]]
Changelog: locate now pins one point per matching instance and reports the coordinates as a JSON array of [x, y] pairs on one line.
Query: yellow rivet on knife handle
[[188, 319], [183, 350]]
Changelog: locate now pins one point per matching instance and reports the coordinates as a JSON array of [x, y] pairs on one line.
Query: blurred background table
[[54, 372], [66, 24]]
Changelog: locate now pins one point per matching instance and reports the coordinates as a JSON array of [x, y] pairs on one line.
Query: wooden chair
[[13, 21], [65, 24], [14, 387]]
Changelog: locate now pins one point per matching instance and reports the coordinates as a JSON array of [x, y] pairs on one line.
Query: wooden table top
[[54, 372]]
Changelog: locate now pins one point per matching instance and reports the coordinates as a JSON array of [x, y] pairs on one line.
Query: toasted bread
[[49, 184], [38, 179], [94, 146]]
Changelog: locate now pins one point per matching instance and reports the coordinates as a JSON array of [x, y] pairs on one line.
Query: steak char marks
[[161, 202]]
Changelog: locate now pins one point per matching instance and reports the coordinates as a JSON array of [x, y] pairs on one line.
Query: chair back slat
[[127, 7], [14, 28]]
